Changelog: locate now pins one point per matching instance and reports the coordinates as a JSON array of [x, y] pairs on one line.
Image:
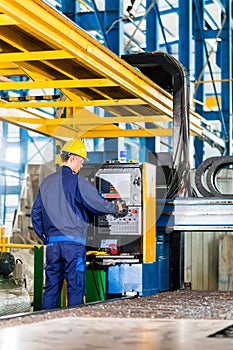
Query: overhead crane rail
[[51, 52]]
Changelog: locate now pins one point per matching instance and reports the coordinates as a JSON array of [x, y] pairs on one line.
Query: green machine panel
[[95, 285]]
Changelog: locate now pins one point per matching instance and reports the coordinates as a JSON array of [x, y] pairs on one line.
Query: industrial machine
[[115, 182], [130, 257], [122, 247], [14, 297]]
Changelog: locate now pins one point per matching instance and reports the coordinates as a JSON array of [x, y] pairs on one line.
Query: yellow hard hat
[[75, 147]]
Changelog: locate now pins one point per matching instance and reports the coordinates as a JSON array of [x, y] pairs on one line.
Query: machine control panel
[[121, 182], [117, 225]]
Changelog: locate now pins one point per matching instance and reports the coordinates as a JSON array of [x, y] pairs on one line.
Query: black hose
[[211, 176], [201, 170]]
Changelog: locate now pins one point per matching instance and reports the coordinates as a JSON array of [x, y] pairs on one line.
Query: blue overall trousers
[[64, 260]]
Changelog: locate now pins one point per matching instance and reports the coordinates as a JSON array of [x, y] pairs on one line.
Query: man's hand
[[120, 207]]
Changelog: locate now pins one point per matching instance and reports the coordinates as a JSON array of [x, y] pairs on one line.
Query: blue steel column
[[185, 33], [3, 177], [198, 12], [151, 45], [114, 25], [114, 29], [70, 9], [226, 71], [185, 42], [151, 29], [23, 151]]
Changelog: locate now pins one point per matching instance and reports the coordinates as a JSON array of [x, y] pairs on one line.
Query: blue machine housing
[[141, 278], [162, 261]]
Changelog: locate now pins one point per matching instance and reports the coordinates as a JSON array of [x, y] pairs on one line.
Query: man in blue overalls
[[60, 219]]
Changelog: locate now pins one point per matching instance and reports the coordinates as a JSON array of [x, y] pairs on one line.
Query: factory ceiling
[[93, 92]]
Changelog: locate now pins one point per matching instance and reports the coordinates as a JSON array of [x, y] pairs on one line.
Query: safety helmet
[[76, 147]]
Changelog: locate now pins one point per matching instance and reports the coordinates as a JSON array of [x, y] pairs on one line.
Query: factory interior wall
[[208, 255]]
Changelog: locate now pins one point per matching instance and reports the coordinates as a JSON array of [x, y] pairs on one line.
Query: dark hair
[[65, 156]]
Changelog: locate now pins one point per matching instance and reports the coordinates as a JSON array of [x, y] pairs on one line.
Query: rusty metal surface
[[184, 304]]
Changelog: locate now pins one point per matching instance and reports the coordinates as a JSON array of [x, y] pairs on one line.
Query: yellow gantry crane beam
[[54, 53]]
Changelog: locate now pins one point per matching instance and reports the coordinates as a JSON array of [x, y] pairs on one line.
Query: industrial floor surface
[[167, 321], [118, 334]]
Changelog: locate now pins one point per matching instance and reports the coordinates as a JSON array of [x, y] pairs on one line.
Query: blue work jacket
[[62, 204]]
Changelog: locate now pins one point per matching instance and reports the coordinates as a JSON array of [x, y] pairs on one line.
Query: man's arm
[[37, 218], [94, 202]]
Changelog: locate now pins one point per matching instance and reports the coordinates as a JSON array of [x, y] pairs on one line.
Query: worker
[[60, 219]]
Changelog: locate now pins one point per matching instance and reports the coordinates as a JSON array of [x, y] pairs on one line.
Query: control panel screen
[[115, 185]]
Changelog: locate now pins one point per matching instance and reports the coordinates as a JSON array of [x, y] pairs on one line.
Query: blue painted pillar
[[151, 29], [4, 137], [3, 183], [198, 17], [23, 151], [185, 33], [151, 45], [185, 41], [226, 72], [70, 9], [114, 33], [114, 26]]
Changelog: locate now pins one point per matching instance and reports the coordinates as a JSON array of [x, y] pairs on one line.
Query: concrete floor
[[72, 333]]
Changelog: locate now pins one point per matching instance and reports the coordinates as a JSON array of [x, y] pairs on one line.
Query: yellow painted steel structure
[[149, 212], [5, 244], [41, 44], [4, 241]]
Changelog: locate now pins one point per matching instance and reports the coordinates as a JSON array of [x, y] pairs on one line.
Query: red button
[[134, 211]]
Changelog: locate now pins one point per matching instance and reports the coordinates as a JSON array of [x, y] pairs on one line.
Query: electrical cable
[[176, 77], [138, 25], [181, 154], [162, 29]]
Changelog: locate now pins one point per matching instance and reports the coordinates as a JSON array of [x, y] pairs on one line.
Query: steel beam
[[50, 26], [50, 50], [55, 84]]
